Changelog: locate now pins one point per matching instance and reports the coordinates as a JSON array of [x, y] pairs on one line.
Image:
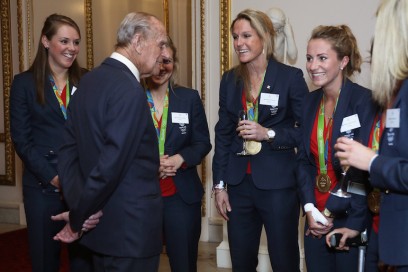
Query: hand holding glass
[[340, 192], [243, 115]]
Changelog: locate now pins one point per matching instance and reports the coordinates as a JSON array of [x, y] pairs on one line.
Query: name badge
[[350, 122], [269, 99], [392, 119], [179, 118], [73, 90]]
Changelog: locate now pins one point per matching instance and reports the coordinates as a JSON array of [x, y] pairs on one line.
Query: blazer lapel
[[172, 108], [52, 99], [341, 110], [268, 86], [309, 121]]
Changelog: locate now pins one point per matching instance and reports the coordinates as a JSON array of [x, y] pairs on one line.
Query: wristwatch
[[327, 213], [271, 135]]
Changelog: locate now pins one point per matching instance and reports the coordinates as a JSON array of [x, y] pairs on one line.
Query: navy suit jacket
[[353, 99], [273, 167], [36, 130], [191, 141], [390, 171], [110, 162]]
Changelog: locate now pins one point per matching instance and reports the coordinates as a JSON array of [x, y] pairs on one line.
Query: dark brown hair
[[40, 67]]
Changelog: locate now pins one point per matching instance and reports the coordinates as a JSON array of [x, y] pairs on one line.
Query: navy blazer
[[353, 99], [273, 167], [390, 171], [36, 130], [191, 141], [110, 161]]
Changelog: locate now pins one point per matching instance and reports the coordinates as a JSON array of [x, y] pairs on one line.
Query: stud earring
[[341, 68]]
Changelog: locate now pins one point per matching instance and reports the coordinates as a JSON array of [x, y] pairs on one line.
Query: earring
[[46, 48], [341, 68]]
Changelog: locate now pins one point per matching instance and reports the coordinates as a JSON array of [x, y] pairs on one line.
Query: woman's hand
[[222, 202], [346, 233], [169, 165], [250, 130], [55, 182], [317, 229], [353, 153]]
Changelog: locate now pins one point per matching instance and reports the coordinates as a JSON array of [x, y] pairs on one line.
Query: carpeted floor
[[14, 252]]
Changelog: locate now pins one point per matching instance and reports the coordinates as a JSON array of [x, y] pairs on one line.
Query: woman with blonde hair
[[255, 157], [389, 168]]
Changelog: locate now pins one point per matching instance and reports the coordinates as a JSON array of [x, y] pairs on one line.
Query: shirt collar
[[128, 63]]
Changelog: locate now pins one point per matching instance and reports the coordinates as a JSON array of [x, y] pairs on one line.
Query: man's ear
[[137, 43]]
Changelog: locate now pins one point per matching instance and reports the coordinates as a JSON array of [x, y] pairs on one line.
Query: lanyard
[[251, 107], [323, 142], [160, 129], [377, 130], [58, 95]]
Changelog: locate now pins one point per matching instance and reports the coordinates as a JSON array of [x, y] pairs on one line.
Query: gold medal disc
[[253, 147], [374, 199], [323, 183]]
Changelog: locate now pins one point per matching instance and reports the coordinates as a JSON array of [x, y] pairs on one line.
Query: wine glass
[[340, 192], [243, 115]]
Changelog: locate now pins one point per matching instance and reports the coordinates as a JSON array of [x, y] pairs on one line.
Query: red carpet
[[14, 252]]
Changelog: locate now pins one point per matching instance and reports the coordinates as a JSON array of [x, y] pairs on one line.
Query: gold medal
[[323, 183], [374, 199], [253, 147]]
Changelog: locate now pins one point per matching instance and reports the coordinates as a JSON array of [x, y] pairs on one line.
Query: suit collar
[[118, 65], [128, 63]]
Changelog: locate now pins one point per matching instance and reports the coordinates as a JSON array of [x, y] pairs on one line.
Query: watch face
[[271, 133]]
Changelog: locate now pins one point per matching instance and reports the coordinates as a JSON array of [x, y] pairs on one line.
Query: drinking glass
[[243, 115], [340, 192]]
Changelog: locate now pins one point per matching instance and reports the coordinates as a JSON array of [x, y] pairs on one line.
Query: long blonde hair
[[262, 24], [389, 64]]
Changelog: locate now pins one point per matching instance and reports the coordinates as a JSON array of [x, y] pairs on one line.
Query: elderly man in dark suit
[[110, 158]]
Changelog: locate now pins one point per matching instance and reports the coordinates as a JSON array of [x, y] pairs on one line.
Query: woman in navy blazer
[[389, 168], [38, 101], [184, 140], [261, 186], [338, 108]]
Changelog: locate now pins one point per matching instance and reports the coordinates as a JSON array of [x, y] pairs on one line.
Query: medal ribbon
[[323, 142], [377, 131], [251, 107], [63, 105], [160, 130]]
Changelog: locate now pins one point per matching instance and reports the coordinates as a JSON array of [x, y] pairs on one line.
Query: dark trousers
[[182, 230], [277, 211], [104, 263], [371, 261], [40, 204], [45, 253], [320, 258]]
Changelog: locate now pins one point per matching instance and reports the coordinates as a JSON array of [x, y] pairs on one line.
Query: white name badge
[[179, 118], [73, 90], [392, 119], [350, 122], [269, 99]]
